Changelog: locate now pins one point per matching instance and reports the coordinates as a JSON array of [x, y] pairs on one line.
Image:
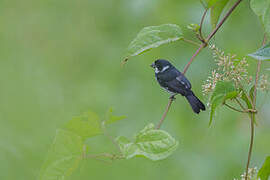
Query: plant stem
[[166, 111], [252, 119], [201, 25], [191, 42], [203, 45], [223, 20], [233, 108]]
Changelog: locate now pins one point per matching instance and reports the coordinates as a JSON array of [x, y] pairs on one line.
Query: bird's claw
[[172, 97]]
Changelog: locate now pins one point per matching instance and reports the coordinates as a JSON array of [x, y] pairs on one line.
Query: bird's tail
[[195, 103]]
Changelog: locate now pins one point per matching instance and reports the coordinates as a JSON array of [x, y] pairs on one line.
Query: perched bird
[[175, 82]]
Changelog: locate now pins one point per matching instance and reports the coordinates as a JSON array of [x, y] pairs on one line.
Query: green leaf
[[152, 37], [86, 125], [150, 143], [216, 11], [64, 156], [264, 172], [217, 101], [110, 118], [263, 53], [262, 9], [251, 92], [210, 3], [246, 99], [223, 91]]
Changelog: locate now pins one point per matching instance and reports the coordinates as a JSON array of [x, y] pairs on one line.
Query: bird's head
[[161, 65]]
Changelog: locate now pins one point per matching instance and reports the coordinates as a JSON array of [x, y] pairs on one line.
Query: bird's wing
[[183, 80], [179, 85]]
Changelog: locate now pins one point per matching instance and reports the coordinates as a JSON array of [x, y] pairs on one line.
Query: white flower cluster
[[229, 69], [252, 174]]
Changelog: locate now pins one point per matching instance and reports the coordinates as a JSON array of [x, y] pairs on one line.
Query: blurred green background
[[61, 58]]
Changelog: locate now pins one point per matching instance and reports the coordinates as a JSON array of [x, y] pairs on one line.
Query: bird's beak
[[153, 65]]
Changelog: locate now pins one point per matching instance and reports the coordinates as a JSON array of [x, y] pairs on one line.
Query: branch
[[166, 111], [203, 45], [252, 119]]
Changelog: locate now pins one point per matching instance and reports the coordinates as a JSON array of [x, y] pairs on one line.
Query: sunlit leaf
[[86, 125], [216, 11], [110, 118], [223, 91], [64, 156], [263, 53], [152, 37], [150, 143], [264, 172]]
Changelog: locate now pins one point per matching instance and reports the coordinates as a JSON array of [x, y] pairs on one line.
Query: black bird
[[175, 82]]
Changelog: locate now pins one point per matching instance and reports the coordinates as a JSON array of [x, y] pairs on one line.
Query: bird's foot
[[172, 97]]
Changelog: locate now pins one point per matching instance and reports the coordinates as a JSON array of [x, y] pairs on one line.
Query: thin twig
[[166, 111], [191, 42], [203, 45], [252, 120], [240, 104], [201, 25], [233, 108], [193, 57], [223, 20], [109, 137]]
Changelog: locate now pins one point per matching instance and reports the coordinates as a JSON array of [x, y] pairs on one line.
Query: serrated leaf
[[110, 118], [86, 125], [223, 91], [216, 11], [262, 9], [150, 143], [63, 157], [263, 53], [152, 37], [264, 172]]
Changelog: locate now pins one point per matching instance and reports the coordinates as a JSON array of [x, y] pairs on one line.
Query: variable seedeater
[[175, 82]]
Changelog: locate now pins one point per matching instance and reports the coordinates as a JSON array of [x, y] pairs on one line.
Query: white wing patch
[[182, 82], [165, 68]]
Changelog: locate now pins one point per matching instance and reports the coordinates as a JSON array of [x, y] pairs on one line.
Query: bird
[[174, 82]]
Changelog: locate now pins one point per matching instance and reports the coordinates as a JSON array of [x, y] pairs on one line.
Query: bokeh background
[[61, 58]]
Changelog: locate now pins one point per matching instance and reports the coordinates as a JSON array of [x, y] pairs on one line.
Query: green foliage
[[86, 125], [110, 118], [264, 172], [263, 53], [150, 143], [68, 147], [262, 9], [152, 37], [216, 11], [223, 91], [63, 157], [210, 3]]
